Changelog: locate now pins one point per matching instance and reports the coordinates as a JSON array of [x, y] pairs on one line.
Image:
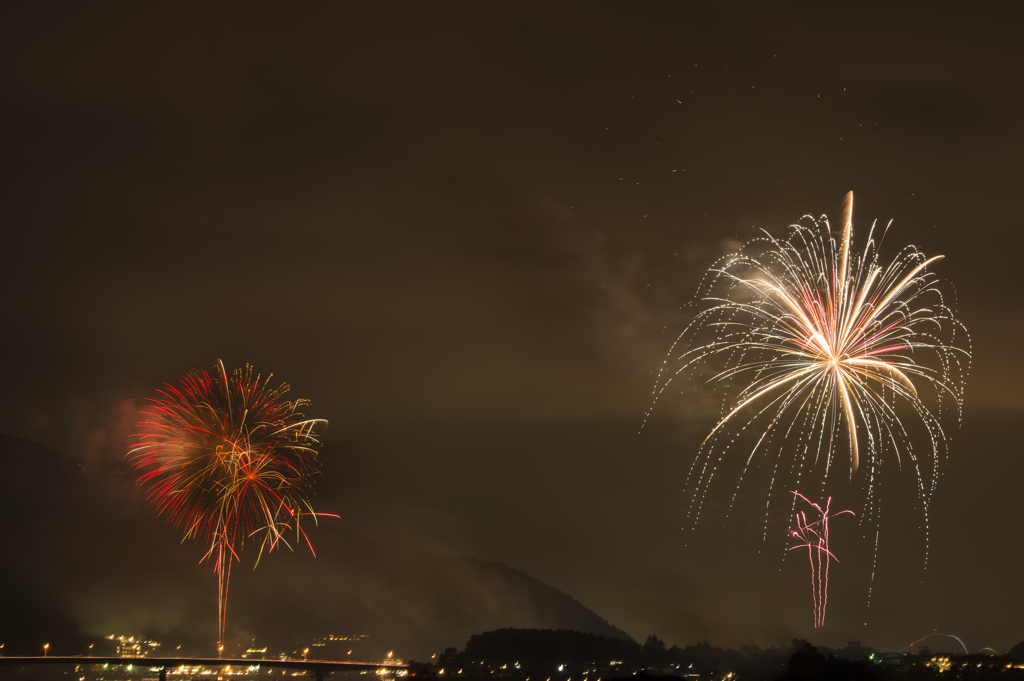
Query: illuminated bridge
[[317, 668]]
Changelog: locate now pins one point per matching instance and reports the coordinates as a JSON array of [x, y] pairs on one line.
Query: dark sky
[[464, 231]]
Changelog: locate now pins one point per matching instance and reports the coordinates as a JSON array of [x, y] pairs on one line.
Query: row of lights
[[220, 650], [46, 646]]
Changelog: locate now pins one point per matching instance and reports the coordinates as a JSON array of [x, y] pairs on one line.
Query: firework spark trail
[[228, 459], [936, 632], [874, 568], [827, 346], [814, 537]]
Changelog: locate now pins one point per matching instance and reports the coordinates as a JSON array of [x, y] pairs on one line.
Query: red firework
[[226, 460], [814, 538]]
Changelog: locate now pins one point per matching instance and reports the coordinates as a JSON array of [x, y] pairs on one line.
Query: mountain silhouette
[[85, 557]]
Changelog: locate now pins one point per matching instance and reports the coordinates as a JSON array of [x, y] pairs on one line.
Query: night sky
[[464, 232]]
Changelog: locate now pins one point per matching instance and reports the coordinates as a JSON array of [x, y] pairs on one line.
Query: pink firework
[[814, 537]]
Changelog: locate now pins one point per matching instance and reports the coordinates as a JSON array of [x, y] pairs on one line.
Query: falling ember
[[814, 537], [823, 351], [228, 459]]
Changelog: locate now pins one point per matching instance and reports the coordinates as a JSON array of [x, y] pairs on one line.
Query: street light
[[45, 647], [220, 649]]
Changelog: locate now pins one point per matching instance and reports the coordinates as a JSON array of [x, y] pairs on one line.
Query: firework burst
[[228, 460], [826, 354]]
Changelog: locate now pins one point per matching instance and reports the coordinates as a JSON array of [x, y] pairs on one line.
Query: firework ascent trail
[[823, 353], [228, 459], [813, 536]]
